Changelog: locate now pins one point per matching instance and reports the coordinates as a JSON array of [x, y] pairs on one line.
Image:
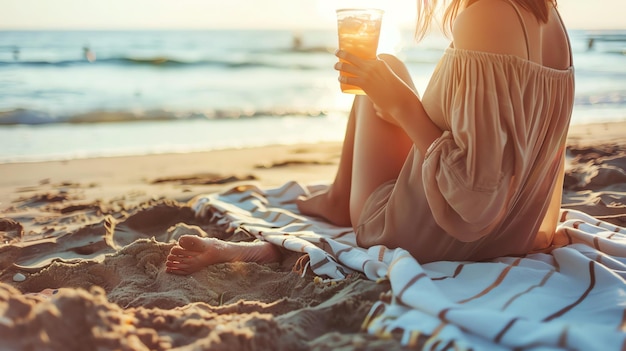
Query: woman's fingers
[[347, 68], [356, 81], [350, 74], [359, 64], [355, 70], [355, 60]]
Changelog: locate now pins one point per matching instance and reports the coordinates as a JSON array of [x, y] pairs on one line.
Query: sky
[[284, 14]]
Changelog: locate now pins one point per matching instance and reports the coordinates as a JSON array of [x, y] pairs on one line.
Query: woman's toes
[[177, 251]]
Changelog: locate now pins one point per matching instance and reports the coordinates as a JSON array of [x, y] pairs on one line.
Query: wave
[[621, 52], [297, 50], [165, 61], [36, 117], [159, 62], [613, 98]]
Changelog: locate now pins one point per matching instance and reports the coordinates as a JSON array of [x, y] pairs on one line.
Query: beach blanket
[[573, 297]]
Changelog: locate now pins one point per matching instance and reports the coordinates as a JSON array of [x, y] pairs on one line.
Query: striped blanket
[[571, 298]]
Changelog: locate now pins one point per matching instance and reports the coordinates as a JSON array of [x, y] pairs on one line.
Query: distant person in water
[[470, 171], [16, 53], [296, 43], [90, 55]]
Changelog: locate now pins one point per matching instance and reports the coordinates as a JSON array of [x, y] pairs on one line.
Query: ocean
[[75, 94]]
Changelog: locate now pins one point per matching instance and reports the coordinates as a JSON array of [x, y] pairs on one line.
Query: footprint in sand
[[87, 254], [153, 220], [90, 242]]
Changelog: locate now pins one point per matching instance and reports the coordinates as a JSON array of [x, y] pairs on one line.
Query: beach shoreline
[[86, 239], [163, 175]]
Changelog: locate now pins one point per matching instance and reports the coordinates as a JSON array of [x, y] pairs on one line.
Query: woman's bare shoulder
[[490, 26]]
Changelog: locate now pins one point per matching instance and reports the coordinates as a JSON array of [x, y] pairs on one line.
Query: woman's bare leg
[[373, 152], [333, 204], [379, 154]]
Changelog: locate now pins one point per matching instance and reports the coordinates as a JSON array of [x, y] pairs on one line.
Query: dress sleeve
[[467, 171]]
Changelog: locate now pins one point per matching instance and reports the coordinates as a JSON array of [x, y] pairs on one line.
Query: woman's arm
[[391, 95]]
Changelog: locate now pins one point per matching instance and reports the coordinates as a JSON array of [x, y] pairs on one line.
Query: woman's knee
[[398, 67]]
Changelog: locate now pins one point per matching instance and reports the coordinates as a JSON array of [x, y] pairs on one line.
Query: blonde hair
[[426, 10]]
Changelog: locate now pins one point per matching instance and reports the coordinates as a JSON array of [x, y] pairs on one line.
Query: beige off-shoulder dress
[[496, 172]]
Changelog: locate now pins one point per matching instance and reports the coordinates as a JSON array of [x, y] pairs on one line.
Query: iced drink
[[359, 30]]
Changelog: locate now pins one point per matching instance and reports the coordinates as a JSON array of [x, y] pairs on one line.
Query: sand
[[83, 245]]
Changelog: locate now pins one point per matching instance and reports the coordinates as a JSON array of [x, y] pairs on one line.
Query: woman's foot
[[334, 209], [194, 253]]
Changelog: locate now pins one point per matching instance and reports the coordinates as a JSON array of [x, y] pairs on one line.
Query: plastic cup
[[358, 30]]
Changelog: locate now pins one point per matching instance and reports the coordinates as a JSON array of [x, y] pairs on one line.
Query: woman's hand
[[376, 78], [394, 98]]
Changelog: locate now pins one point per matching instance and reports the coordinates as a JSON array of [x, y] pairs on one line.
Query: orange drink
[[359, 30]]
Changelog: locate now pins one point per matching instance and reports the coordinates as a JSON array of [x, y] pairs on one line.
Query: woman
[[471, 171]]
